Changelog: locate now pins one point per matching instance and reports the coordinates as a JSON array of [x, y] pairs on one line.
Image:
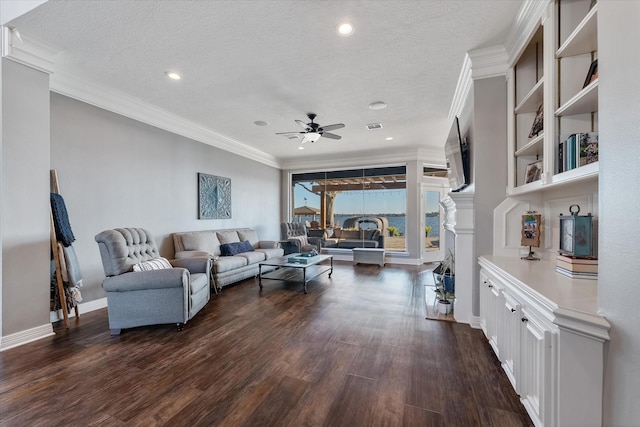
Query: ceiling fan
[[313, 131]]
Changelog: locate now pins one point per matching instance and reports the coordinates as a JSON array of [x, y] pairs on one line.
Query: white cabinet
[[510, 342], [535, 368], [548, 336]]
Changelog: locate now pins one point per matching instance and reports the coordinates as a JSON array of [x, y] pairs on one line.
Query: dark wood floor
[[355, 351]]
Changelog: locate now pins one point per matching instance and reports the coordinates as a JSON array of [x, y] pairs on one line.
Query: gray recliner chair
[[296, 234], [149, 297]]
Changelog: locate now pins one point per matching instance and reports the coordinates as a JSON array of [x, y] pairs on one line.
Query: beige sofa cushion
[[249, 235], [226, 263], [228, 236], [252, 257], [201, 241]]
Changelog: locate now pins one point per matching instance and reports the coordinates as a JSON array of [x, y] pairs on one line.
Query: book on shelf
[[577, 275], [578, 149], [578, 268], [577, 260], [587, 148]]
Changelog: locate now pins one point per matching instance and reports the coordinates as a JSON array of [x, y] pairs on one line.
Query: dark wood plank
[[355, 350]]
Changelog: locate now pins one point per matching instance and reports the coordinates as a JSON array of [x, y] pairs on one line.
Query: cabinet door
[[510, 318], [484, 301], [494, 324], [535, 357]]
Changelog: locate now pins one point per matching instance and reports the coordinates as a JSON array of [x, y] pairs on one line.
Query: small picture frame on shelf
[[537, 125], [533, 172], [592, 75], [531, 230]]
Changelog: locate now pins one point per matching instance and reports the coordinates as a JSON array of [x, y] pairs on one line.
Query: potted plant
[[393, 231], [444, 275], [427, 230]]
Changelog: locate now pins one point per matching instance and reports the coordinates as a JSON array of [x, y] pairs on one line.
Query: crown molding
[[136, 109], [28, 51], [488, 62], [430, 156], [531, 14], [463, 89]]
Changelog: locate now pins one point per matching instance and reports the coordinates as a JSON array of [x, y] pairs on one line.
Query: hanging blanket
[[61, 220]]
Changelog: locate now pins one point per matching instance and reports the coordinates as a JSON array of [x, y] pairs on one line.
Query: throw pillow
[[152, 264], [235, 248], [373, 235], [302, 239]]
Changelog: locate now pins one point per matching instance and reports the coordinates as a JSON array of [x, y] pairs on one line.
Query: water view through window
[[353, 208]]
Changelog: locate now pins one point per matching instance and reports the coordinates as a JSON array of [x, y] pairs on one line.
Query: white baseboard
[[24, 337], [82, 308], [475, 322]]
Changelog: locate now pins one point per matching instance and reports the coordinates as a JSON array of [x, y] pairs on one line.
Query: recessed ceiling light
[[345, 29], [301, 148], [261, 123], [378, 105], [389, 138], [173, 75]]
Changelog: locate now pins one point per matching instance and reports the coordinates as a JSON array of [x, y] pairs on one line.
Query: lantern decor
[[576, 234], [531, 233]]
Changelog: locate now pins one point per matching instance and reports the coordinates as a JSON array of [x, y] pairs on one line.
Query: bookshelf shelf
[[584, 38], [585, 101], [533, 147], [531, 100]]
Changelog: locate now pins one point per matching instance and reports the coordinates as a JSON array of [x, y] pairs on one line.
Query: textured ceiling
[[275, 61]]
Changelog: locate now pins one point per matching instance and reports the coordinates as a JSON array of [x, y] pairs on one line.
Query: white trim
[[463, 89], [28, 51], [24, 337], [136, 109], [86, 307], [431, 156], [476, 322], [488, 62], [530, 15]]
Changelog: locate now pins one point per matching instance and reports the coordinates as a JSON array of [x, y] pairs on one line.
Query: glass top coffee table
[[303, 271]]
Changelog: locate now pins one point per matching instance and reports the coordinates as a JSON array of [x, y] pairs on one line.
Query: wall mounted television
[[458, 159]]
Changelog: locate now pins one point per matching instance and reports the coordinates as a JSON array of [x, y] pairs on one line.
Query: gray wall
[[618, 290], [25, 198], [116, 172]]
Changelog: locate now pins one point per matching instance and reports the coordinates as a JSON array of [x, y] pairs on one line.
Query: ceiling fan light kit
[[313, 131]]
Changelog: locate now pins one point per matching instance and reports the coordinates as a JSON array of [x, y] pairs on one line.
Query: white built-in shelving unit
[[550, 71]]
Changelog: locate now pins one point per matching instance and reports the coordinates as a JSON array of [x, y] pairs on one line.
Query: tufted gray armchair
[[296, 234], [138, 298]]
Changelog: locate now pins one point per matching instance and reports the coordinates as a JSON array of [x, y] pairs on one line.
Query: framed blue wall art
[[214, 197]]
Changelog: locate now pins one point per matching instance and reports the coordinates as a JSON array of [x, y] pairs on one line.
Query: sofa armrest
[[315, 241], [268, 244], [194, 264], [191, 254], [153, 279], [296, 243]]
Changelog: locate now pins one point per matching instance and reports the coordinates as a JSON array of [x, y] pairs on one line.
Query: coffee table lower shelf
[[290, 272]]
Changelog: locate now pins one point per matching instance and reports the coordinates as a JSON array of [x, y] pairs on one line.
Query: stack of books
[[577, 268], [577, 150]]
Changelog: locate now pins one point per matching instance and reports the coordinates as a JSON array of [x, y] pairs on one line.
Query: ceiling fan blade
[[331, 135], [303, 125], [288, 133], [333, 127]]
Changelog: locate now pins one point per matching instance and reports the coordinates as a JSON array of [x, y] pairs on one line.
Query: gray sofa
[[157, 296], [349, 239], [227, 269]]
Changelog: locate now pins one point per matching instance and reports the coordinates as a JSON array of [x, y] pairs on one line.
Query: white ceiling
[[275, 61]]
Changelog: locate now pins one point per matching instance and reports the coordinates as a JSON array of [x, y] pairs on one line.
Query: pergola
[[330, 187]]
